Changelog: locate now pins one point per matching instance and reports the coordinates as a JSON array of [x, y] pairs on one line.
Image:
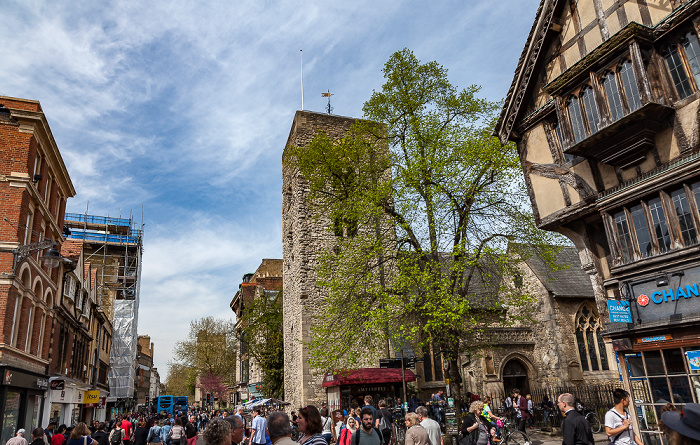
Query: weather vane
[[328, 94]]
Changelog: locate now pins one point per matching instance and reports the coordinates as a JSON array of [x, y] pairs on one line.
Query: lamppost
[[51, 259]]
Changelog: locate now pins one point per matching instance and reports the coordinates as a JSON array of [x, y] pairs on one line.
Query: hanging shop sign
[[668, 296], [91, 397], [619, 311], [693, 360]]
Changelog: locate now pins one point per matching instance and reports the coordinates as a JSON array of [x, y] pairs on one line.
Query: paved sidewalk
[[538, 437]]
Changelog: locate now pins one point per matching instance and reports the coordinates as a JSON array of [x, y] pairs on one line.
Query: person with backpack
[[618, 422], [383, 422], [165, 431], [117, 435], [367, 434]]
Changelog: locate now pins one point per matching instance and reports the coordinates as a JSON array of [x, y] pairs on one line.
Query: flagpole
[[301, 63]]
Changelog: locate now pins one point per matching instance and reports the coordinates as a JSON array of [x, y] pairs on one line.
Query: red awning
[[365, 376]]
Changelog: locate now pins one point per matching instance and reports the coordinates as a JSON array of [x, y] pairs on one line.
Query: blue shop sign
[[619, 311], [669, 296]]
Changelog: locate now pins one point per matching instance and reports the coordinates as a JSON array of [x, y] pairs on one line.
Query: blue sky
[[183, 108]]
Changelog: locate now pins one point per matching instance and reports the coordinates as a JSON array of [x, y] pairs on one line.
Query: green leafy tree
[[181, 380], [263, 334], [429, 212], [210, 348]]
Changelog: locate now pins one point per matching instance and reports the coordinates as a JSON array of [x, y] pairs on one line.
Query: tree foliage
[[181, 379], [429, 212], [263, 335], [210, 348]]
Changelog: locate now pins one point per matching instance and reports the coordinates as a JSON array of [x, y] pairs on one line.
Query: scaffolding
[[115, 246]]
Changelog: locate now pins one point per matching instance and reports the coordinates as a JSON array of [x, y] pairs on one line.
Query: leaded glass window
[[629, 83], [623, 233], [678, 74], [576, 119], [591, 109], [613, 94], [641, 230], [692, 52], [685, 219], [589, 340], [658, 219]]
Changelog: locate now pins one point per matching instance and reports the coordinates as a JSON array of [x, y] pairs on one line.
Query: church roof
[[569, 281]]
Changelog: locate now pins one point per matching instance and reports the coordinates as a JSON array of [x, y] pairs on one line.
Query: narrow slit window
[[591, 109], [629, 83], [576, 119], [692, 52], [685, 219], [678, 74], [613, 93]]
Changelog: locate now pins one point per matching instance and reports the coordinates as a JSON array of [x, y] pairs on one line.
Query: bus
[[172, 404]]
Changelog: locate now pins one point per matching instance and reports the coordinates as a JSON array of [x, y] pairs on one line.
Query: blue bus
[[172, 405]]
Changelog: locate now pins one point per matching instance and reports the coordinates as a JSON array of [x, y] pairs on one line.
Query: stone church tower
[[303, 240]]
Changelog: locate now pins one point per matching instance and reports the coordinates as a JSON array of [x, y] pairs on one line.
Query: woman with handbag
[[475, 428], [81, 436]]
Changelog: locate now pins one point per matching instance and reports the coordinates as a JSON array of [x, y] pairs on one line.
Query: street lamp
[[51, 260]]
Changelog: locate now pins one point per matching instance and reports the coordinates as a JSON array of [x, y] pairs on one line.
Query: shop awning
[[365, 376]]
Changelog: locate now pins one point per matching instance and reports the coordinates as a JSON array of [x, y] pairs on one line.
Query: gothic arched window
[[589, 340]]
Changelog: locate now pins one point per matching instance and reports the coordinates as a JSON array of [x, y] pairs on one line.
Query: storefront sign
[[619, 311], [22, 379], [58, 385], [693, 360], [42, 383], [91, 397], [668, 296], [655, 338]]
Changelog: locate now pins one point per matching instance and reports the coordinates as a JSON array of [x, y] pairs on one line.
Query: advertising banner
[[693, 360], [619, 311]]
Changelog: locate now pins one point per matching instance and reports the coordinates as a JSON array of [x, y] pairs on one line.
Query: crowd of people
[[360, 425]]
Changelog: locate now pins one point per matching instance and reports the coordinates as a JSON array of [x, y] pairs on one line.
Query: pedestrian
[[547, 408], [38, 436], [237, 429], [430, 425], [191, 431], [177, 433], [141, 433], [475, 428], [326, 425], [530, 411], [438, 401], [81, 435], [128, 428], [383, 422], [59, 437], [368, 404], [116, 436], [367, 434], [490, 416], [217, 432], [683, 428], [346, 433], [618, 422], [413, 403], [280, 428], [309, 423], [165, 431], [258, 428], [154, 433], [48, 431], [415, 434], [520, 403], [100, 435], [575, 427], [18, 439]]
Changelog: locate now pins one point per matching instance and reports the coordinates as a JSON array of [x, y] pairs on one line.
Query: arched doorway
[[515, 376]]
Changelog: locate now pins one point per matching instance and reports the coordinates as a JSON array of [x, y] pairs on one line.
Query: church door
[[515, 376]]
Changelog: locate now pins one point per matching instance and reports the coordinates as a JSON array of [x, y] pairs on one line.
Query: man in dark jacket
[[575, 427], [520, 403]]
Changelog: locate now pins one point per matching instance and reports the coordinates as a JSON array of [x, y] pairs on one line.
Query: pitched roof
[[71, 249], [569, 281]]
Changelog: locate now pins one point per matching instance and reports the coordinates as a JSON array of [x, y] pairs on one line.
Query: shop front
[[21, 400], [343, 388], [66, 401], [658, 345]]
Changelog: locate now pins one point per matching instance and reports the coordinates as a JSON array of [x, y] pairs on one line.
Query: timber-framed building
[[604, 110]]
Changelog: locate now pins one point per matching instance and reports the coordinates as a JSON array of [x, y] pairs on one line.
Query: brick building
[[34, 187], [604, 109]]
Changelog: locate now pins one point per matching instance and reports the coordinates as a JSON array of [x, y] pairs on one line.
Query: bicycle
[[511, 435], [398, 427], [593, 420]]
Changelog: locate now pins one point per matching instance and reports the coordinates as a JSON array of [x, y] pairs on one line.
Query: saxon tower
[[304, 239]]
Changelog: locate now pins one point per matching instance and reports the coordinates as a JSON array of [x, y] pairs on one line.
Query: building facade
[[34, 187], [264, 282], [603, 109], [144, 370]]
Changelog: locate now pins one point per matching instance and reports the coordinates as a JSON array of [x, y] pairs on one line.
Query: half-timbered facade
[[604, 110]]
